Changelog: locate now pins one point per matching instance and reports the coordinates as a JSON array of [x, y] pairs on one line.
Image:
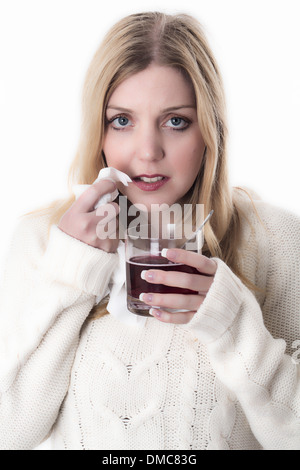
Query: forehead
[[156, 85]]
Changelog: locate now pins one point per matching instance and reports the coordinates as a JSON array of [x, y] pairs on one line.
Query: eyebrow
[[166, 110]]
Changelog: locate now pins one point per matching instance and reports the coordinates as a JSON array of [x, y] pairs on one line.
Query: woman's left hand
[[200, 283]]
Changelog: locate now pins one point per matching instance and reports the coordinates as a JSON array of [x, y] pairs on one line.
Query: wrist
[[220, 306]]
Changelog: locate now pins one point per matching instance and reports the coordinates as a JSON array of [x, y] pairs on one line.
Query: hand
[[91, 226], [197, 282]]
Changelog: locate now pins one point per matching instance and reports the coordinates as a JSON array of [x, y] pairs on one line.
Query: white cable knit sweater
[[230, 379]]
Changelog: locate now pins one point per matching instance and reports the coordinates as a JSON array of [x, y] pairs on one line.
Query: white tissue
[[117, 305], [108, 173]]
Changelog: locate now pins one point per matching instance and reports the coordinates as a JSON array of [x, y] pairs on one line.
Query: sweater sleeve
[[48, 290], [251, 345]]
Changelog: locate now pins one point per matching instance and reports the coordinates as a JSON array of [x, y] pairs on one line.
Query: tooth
[[151, 180]]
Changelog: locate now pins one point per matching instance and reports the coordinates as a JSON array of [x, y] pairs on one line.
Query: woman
[[222, 375]]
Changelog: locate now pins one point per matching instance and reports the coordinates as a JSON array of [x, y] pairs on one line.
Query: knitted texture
[[227, 380]]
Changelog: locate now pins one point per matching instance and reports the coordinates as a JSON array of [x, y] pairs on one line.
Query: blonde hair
[[177, 41]]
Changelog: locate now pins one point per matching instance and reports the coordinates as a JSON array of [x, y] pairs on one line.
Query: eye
[[177, 123], [120, 122]]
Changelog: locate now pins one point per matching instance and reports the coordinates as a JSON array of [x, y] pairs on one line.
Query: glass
[[143, 247]]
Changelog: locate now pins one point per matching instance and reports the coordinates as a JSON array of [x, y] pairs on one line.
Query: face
[[152, 134]]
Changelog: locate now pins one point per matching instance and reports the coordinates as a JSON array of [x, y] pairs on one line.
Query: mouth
[[150, 182]]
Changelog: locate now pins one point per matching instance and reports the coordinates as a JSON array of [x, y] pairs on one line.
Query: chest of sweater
[[132, 387]]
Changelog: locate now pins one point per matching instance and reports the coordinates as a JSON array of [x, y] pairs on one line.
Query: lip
[[150, 186]]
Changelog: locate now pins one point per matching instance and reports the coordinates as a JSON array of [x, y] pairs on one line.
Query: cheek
[[114, 153], [196, 152], [196, 158], [189, 158], [191, 146]]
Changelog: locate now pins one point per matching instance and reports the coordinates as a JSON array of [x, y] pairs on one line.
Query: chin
[[153, 205]]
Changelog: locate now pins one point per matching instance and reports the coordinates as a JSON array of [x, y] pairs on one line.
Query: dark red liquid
[[136, 285]]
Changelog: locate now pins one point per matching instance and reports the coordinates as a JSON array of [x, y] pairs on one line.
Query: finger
[[90, 226], [179, 318], [107, 212], [195, 282], [202, 263], [175, 301], [87, 201], [108, 230]]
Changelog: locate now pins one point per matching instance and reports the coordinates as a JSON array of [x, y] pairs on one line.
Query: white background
[[46, 47]]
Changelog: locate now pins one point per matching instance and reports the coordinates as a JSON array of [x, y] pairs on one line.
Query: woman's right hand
[[97, 228]]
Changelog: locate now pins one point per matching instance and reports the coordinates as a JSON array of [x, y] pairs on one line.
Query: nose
[[149, 145]]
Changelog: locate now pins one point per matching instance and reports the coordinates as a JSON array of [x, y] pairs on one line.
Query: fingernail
[[146, 275], [145, 297], [168, 253], [155, 312]]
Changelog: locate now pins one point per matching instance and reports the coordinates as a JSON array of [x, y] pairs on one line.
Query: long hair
[[177, 41]]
